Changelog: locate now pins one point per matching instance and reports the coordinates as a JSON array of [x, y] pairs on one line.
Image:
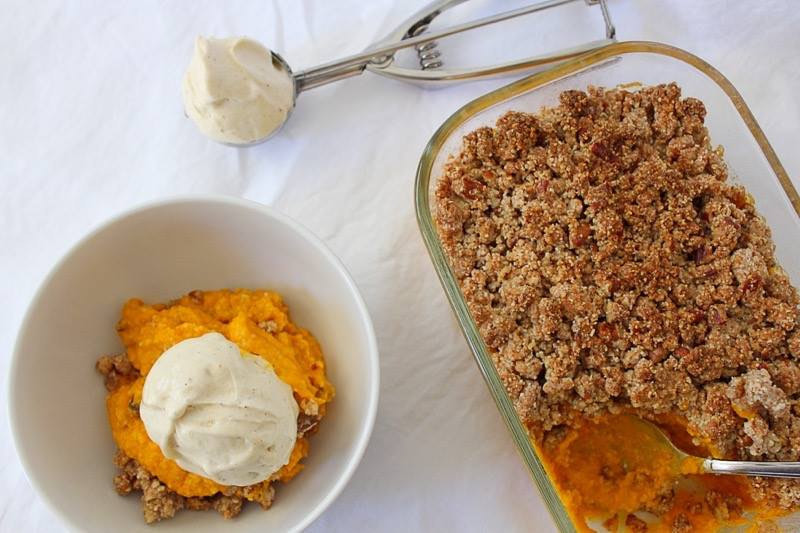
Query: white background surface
[[91, 124]]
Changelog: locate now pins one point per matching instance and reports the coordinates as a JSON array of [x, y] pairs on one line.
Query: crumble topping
[[159, 502], [609, 263]]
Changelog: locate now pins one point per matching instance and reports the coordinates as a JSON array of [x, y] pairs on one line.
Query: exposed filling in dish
[[258, 323], [611, 265]]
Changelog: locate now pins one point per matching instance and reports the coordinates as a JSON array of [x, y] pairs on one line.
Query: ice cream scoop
[[240, 93], [235, 92], [219, 413]]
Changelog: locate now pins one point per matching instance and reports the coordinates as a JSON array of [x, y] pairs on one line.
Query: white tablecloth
[[91, 124]]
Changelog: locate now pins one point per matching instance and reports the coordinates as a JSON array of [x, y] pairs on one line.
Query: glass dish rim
[[445, 273]]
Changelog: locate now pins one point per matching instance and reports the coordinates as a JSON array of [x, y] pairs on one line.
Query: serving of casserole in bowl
[[240, 367], [617, 238]]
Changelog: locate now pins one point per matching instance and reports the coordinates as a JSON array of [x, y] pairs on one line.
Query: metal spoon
[[383, 55], [700, 465]]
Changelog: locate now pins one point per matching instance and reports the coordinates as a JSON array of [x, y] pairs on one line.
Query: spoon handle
[[785, 469]]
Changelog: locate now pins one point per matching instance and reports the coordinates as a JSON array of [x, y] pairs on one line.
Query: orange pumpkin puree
[[148, 330], [611, 467]]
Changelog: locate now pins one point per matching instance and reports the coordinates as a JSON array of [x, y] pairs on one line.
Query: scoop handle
[[355, 64], [784, 469]]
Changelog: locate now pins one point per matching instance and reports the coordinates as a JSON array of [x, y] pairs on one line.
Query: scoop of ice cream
[[218, 412], [234, 92]]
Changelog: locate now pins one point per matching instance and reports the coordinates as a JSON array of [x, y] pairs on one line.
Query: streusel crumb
[[609, 262], [159, 502], [116, 369]]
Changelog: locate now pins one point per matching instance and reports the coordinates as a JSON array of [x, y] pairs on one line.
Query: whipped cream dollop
[[218, 412], [234, 92]]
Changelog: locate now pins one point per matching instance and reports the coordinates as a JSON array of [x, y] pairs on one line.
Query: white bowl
[[157, 253]]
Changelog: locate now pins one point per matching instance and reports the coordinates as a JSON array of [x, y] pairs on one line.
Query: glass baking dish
[[751, 160]]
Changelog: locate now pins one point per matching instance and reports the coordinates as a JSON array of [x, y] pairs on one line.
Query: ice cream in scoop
[[234, 92]]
